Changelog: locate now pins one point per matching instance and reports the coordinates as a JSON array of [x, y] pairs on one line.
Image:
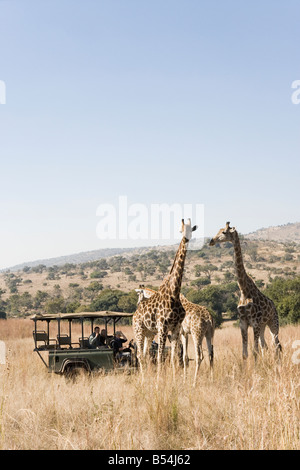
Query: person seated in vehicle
[[97, 339], [103, 338], [118, 342]]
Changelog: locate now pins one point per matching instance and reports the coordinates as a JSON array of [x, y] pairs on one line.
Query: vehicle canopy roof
[[80, 315]]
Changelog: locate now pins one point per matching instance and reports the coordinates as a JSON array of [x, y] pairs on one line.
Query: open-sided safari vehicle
[[67, 353]]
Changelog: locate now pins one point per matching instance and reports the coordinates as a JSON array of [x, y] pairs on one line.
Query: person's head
[[118, 334], [96, 329], [103, 333]]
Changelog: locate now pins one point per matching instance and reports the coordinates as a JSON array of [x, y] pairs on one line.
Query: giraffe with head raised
[[163, 312], [254, 308], [198, 322]]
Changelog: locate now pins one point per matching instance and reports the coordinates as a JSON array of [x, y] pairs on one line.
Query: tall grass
[[242, 406]]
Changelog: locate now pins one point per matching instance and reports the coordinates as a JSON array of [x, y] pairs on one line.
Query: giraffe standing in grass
[[254, 308], [163, 312], [198, 322]]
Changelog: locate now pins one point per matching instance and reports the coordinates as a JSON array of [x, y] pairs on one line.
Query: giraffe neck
[[244, 281], [176, 273]]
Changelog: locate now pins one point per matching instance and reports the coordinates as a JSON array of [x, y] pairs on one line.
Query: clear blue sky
[[160, 100]]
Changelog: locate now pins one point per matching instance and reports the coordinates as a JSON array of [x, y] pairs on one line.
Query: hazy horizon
[[139, 244]]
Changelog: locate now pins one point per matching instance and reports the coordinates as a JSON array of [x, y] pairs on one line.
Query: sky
[[159, 102]]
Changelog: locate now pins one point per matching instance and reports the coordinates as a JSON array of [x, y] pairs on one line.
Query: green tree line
[[219, 298]]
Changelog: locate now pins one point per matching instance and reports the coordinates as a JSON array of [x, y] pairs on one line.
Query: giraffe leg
[[146, 346], [162, 337], [184, 342], [139, 338], [210, 347], [263, 343], [139, 344], [198, 355], [147, 343], [256, 333], [174, 346], [181, 349], [274, 329], [209, 341], [244, 332]]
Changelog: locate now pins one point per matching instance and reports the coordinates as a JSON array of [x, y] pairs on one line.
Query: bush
[[219, 299], [52, 276], [285, 293], [128, 302], [107, 300], [202, 281], [98, 274], [115, 300], [72, 307], [56, 305], [95, 286]]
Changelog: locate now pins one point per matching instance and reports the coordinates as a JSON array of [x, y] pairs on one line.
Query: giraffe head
[[144, 293], [187, 229], [224, 235]]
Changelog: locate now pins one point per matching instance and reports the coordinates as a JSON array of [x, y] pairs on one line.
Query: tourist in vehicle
[[103, 338], [95, 338], [119, 340], [119, 350]]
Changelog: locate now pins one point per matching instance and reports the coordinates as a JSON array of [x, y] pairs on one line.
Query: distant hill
[[77, 258], [280, 233], [87, 256]]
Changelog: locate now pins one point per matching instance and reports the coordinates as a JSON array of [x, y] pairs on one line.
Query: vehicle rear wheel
[[74, 372]]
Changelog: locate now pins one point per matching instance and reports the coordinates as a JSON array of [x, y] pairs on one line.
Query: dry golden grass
[[244, 405]]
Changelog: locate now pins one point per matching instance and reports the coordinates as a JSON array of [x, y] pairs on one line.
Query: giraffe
[[163, 311], [198, 322], [254, 308]]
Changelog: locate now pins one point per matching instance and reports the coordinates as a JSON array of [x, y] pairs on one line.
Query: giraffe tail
[[210, 341]]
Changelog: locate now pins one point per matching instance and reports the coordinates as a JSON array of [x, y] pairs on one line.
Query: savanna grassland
[[243, 406]]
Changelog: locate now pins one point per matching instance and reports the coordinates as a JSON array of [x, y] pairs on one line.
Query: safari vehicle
[[67, 354]]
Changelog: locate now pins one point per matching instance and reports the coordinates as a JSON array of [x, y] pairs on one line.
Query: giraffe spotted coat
[[254, 308]]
